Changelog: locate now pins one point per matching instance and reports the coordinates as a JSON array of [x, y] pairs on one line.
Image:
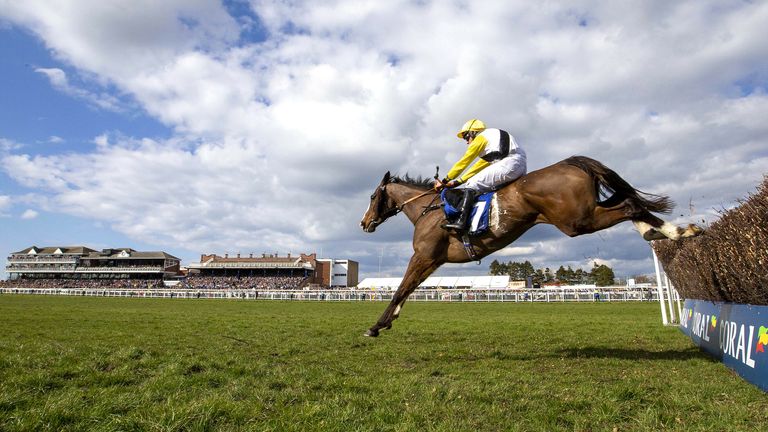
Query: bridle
[[388, 213], [392, 211]]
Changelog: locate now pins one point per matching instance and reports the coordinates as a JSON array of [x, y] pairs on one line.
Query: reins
[[425, 193], [397, 209]]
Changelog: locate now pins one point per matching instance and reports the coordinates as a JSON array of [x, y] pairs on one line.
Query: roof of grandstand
[[86, 252], [129, 254], [477, 282], [68, 250], [265, 261]]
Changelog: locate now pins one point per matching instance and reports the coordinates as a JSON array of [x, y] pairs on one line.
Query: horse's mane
[[420, 182]]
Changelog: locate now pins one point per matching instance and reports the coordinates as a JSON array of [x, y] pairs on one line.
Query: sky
[[200, 126]]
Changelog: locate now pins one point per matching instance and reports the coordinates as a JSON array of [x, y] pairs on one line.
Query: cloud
[[512, 251], [29, 214], [5, 204], [117, 39], [279, 139], [7, 145], [59, 81]]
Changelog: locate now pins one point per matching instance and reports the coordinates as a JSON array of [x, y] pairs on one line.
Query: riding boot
[[467, 202]]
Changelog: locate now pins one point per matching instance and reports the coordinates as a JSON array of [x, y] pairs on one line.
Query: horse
[[566, 194]]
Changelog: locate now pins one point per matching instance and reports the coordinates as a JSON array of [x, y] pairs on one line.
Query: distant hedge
[[729, 262]]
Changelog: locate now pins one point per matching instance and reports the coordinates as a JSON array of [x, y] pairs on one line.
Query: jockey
[[501, 161]]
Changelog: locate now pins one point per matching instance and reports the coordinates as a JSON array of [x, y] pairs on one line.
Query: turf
[[70, 363]]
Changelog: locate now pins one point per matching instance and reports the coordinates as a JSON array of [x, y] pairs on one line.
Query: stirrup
[[468, 247], [452, 226]]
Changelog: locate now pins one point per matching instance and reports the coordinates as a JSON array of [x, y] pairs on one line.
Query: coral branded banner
[[736, 334]]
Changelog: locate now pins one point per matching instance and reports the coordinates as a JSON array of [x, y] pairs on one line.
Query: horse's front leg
[[419, 268]]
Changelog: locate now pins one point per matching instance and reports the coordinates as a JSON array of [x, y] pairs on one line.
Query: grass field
[[70, 363]]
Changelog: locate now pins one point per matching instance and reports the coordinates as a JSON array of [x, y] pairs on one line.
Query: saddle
[[480, 210]]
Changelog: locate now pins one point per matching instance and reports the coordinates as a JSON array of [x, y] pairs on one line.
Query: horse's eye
[[373, 196]]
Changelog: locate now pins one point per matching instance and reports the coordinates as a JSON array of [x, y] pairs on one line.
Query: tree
[[548, 275], [528, 268], [643, 279], [566, 275], [561, 275], [495, 268], [602, 274], [517, 271], [582, 277]]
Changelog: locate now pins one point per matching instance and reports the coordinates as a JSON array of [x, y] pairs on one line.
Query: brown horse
[[566, 195]]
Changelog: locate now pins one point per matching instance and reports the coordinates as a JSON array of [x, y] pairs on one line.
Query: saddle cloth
[[480, 211]]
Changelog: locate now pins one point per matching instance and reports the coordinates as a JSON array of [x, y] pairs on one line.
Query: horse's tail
[[613, 187]]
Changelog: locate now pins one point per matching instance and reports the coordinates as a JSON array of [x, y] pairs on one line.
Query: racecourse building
[[336, 273], [264, 265], [271, 271], [83, 263], [83, 267]]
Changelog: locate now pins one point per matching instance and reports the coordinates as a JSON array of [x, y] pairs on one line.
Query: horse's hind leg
[[665, 230], [649, 226], [654, 228], [591, 219], [419, 269]]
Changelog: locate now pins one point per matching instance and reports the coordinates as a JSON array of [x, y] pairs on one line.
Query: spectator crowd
[[259, 283], [83, 283]]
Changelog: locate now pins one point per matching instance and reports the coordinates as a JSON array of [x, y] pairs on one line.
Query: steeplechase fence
[[722, 276], [544, 295]]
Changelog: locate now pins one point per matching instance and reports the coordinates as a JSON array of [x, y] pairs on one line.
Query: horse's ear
[[385, 180]]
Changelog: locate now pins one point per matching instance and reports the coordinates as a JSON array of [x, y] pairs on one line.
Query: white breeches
[[497, 174]]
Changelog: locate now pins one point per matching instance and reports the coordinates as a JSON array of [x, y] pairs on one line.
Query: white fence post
[[520, 295], [668, 296], [673, 315]]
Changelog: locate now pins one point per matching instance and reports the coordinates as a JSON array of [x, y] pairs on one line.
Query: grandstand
[[125, 268], [80, 263], [443, 282], [271, 271], [265, 265]]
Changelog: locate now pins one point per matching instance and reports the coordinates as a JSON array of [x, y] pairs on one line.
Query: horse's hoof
[[372, 333], [695, 230], [653, 234]]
